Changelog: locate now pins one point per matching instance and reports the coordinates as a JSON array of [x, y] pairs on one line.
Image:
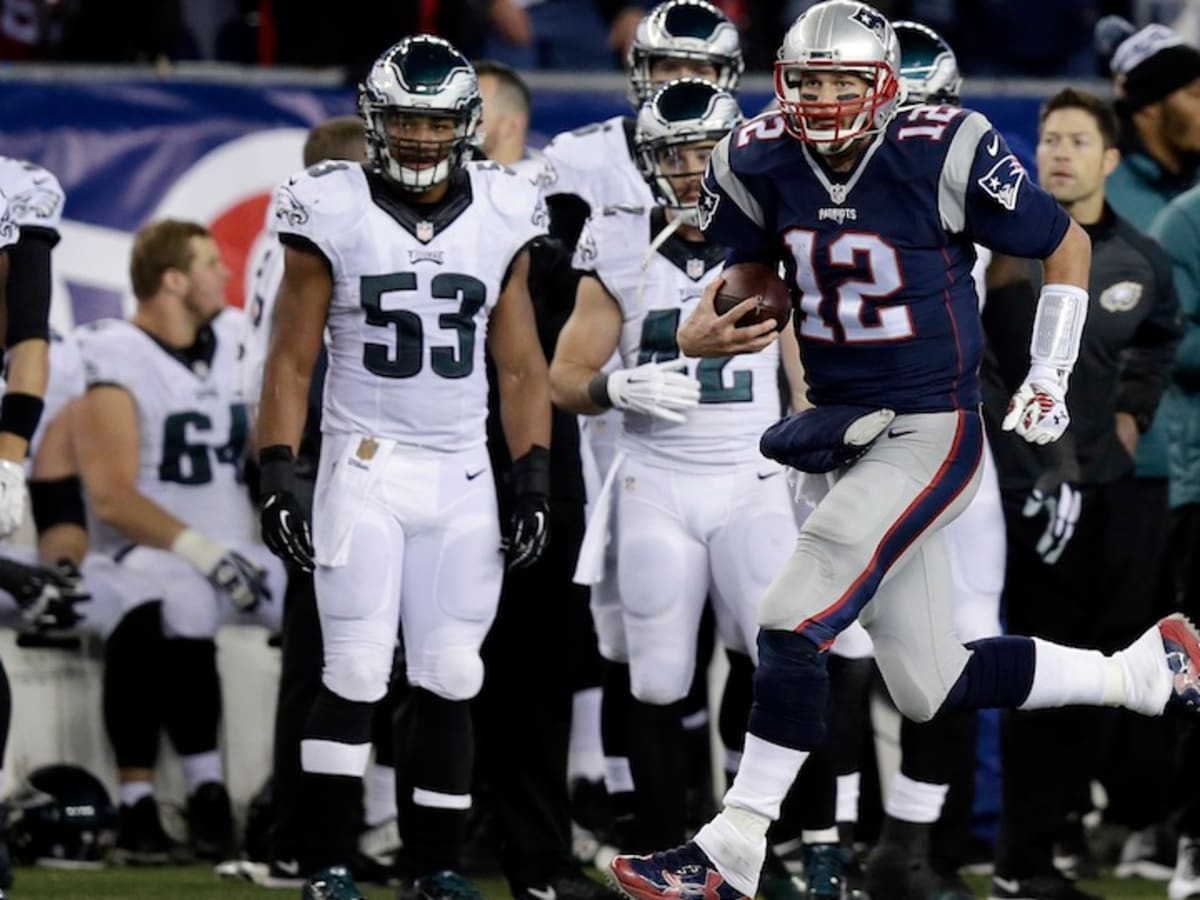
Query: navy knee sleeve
[[999, 674], [791, 688]]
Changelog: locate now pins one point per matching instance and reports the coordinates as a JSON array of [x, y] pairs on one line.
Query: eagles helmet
[[420, 76], [839, 36], [61, 816], [685, 111], [928, 67], [684, 29]]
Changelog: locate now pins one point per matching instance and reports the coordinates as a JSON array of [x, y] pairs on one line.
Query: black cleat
[[141, 840], [439, 886], [210, 822], [1042, 887]]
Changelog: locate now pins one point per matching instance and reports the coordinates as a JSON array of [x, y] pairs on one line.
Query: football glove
[[1062, 502], [285, 528], [46, 595], [243, 582], [12, 496], [1038, 410], [663, 390], [529, 526]]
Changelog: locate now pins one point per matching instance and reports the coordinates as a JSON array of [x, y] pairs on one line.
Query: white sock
[[618, 776], [736, 842], [1146, 678], [585, 759], [847, 797], [201, 768], [379, 794], [820, 835], [915, 801], [1064, 676], [131, 792], [764, 777]]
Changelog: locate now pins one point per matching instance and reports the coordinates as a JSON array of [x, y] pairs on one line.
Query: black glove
[[1062, 503], [47, 595], [285, 528], [529, 527]]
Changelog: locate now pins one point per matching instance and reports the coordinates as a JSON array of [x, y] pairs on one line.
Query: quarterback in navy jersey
[[873, 214]]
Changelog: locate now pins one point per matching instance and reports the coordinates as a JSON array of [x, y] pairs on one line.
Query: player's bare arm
[[55, 464], [522, 376], [704, 333], [585, 344], [301, 307], [1071, 260], [28, 372], [793, 369], [106, 444]]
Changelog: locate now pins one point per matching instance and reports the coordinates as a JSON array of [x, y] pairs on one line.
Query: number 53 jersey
[[413, 287], [191, 423]]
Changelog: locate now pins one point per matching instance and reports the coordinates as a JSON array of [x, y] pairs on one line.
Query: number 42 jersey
[[880, 257], [413, 287]]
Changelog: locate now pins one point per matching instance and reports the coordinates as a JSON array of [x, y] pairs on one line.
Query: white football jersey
[[192, 425], [9, 232], [35, 198], [261, 287], [596, 163], [739, 395], [412, 293]]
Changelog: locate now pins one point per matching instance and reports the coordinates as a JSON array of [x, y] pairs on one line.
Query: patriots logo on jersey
[[872, 20], [1003, 181], [290, 210], [39, 202], [706, 206]]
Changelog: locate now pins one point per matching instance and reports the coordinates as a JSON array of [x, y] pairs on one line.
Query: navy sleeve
[[730, 214], [1005, 209]]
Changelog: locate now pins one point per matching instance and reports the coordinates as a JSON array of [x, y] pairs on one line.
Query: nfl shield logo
[[695, 268], [424, 232]]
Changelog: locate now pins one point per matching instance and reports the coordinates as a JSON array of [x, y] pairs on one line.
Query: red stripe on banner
[[427, 17]]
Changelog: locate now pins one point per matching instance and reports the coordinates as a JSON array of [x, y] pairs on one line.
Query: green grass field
[[199, 883]]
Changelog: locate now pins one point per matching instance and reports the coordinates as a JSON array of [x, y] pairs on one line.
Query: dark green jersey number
[[658, 345], [185, 462], [406, 358]]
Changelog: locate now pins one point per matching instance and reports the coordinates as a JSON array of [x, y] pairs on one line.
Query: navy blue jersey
[[879, 258]]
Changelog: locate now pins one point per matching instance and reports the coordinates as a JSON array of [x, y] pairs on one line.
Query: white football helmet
[[685, 111], [684, 29], [839, 36], [420, 76]]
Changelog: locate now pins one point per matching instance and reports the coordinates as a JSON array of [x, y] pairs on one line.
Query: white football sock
[[1146, 678], [847, 797], [379, 794], [915, 801], [1064, 676], [130, 792], [585, 758], [736, 842], [764, 777], [201, 768]]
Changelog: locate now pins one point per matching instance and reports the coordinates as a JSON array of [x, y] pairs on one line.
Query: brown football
[[751, 279]]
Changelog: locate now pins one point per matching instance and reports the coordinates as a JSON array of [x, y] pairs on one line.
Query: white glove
[[655, 389], [1038, 410], [227, 570], [12, 496], [1062, 509]]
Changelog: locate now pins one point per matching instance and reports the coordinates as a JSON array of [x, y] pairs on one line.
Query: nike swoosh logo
[[471, 476], [1005, 884], [893, 433], [762, 477], [542, 893], [288, 867], [994, 145]]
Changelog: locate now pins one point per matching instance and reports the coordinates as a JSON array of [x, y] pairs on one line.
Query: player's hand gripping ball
[[751, 279]]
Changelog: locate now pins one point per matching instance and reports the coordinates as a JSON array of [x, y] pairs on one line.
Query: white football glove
[[242, 581], [662, 390], [1038, 410], [12, 496], [1062, 507]]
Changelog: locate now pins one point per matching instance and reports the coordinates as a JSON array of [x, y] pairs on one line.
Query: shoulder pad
[[104, 357], [318, 200], [513, 196], [35, 198]]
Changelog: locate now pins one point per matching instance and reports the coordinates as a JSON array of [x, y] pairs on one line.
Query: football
[[752, 279]]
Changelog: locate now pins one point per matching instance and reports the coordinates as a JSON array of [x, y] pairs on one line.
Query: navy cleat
[[333, 883], [445, 885], [1182, 645], [685, 872]]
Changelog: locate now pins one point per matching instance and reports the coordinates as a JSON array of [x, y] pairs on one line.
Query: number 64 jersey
[[412, 290]]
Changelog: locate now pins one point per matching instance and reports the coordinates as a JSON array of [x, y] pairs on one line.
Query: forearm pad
[[1058, 326]]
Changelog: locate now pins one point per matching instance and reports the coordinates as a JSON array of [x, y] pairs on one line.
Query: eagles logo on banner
[[1003, 181]]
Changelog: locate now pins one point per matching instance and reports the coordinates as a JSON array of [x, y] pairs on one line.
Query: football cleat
[[440, 886], [141, 840], [210, 822], [1185, 882], [1044, 887], [1182, 645], [682, 872], [333, 883]]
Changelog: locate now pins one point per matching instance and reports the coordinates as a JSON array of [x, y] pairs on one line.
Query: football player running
[[874, 214], [406, 261], [698, 508]]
